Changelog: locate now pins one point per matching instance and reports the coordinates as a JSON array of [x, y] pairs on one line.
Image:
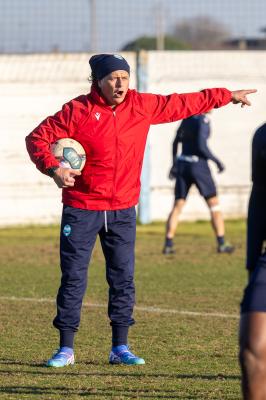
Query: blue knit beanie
[[104, 64]]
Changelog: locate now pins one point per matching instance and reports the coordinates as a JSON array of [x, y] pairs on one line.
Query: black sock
[[67, 339], [168, 242], [220, 240], [119, 335]]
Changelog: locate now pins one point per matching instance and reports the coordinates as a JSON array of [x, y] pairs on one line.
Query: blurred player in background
[[253, 307], [111, 122], [191, 167]]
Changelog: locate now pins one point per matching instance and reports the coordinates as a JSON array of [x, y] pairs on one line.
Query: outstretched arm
[[162, 109]]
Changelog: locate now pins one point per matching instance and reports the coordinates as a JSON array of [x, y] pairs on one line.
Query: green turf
[[187, 356]]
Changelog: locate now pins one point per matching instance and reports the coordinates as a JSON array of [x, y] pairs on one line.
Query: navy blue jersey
[[259, 157], [254, 299], [193, 133], [256, 226], [192, 167]]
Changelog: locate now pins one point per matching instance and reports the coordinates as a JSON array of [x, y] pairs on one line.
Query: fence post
[[144, 201]]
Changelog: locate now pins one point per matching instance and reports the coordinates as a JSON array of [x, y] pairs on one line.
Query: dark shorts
[[197, 173], [254, 298]]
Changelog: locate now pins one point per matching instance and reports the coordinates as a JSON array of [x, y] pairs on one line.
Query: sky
[[72, 25]]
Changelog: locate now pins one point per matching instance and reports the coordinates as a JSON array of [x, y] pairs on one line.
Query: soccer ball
[[69, 153]]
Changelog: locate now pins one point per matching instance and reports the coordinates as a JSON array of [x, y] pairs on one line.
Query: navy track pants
[[79, 230]]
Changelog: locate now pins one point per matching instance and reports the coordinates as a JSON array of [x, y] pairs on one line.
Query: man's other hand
[[65, 177]]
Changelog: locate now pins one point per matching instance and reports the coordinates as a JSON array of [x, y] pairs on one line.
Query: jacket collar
[[97, 98]]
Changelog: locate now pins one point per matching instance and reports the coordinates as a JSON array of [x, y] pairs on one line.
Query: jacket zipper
[[116, 145]]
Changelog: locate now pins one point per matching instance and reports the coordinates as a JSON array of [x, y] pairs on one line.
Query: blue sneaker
[[61, 358], [122, 355]]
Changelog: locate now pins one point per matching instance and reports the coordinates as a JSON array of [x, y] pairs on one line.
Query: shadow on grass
[[100, 392], [13, 362], [38, 364], [43, 370], [142, 374]]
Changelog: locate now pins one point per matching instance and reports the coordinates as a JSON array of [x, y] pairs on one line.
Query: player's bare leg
[[252, 355], [216, 216], [171, 225], [218, 225]]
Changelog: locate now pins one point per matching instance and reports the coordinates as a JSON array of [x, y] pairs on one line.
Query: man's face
[[114, 87]]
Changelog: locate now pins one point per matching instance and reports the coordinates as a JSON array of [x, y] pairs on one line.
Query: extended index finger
[[248, 91]]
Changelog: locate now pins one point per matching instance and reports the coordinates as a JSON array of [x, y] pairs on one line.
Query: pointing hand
[[240, 96]]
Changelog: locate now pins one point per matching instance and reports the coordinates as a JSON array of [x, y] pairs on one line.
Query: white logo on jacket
[[97, 116]]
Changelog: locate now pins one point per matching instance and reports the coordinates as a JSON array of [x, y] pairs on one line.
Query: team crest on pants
[[67, 230]]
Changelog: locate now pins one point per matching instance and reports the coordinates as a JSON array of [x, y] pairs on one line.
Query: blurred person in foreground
[[252, 335], [111, 122], [191, 167]]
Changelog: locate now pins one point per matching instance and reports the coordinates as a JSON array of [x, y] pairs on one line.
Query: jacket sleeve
[[55, 127], [176, 106]]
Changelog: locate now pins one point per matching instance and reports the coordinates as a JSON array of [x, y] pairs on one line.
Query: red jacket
[[114, 141]]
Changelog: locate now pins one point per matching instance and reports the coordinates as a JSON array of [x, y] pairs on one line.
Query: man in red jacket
[[111, 123]]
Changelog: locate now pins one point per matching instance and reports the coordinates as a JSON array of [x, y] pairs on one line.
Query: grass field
[[188, 356]]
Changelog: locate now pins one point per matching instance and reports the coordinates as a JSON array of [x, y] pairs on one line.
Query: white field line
[[138, 308]]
